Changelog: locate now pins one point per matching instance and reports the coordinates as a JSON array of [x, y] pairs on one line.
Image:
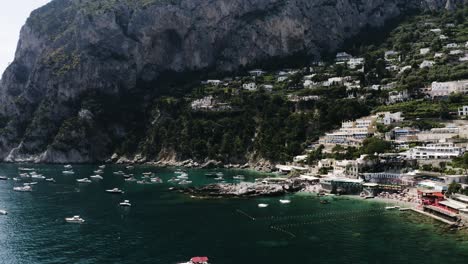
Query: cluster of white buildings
[[443, 89], [351, 133], [209, 103], [439, 151]]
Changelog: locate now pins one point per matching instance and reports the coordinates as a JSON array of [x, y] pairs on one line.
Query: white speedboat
[[3, 212], [75, 220], [129, 167], [131, 179], [183, 182], [50, 180], [262, 205], [16, 179], [99, 171], [24, 175], [69, 172], [118, 173], [25, 169], [239, 177], [102, 167], [84, 180], [115, 190], [38, 177], [147, 173], [3, 178], [68, 166], [219, 178], [29, 183], [156, 180], [285, 201], [96, 177], [23, 189], [125, 203]]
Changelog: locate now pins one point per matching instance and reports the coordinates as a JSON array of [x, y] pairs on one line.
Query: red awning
[[199, 259]]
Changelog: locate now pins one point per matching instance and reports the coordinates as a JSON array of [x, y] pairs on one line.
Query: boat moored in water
[[3, 212], [50, 180], [68, 172], [285, 201], [23, 189], [115, 191], [96, 177], [75, 220], [3, 178], [84, 180], [125, 203], [262, 205]]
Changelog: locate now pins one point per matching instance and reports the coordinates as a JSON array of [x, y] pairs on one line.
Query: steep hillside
[[87, 73]]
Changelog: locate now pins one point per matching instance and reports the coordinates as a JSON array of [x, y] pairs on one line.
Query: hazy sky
[[13, 14]]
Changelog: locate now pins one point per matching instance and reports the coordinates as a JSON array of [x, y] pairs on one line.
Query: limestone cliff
[[71, 51]]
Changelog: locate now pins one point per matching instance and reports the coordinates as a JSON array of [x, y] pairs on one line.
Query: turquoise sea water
[[168, 227]]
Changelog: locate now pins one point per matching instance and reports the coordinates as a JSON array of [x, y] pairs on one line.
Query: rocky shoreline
[[242, 190]]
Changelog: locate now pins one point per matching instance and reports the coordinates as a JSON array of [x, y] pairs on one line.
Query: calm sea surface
[[166, 227]]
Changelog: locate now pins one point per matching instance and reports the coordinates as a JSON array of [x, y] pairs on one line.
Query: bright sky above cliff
[[13, 14]]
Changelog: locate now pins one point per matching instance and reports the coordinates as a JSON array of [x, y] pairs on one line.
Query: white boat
[[68, 172], [220, 178], [131, 179], [23, 189], [99, 171], [50, 180], [129, 167], [183, 177], [68, 166], [3, 212], [115, 190], [156, 180], [238, 177], [3, 178], [38, 177], [220, 174], [16, 179], [182, 182], [96, 177], [118, 172], [75, 220], [262, 205], [285, 201], [24, 175], [84, 180], [102, 167], [25, 169], [147, 173], [29, 183], [125, 203]]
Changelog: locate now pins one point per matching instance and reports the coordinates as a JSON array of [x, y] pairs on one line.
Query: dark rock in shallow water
[[244, 189]]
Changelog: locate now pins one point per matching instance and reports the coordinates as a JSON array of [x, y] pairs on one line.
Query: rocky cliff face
[[72, 51]]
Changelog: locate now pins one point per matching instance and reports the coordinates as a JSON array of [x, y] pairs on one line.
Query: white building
[[439, 89], [353, 63], [463, 111], [351, 132], [395, 97], [249, 86], [388, 118], [435, 151], [256, 72], [214, 82], [426, 64], [424, 51], [343, 57], [451, 46]]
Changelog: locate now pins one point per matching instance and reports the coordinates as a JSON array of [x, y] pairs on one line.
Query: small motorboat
[[115, 191], [38, 177], [75, 220], [29, 183], [24, 175], [239, 177], [285, 201], [25, 169], [118, 173], [23, 189], [68, 166], [129, 167], [125, 203], [197, 260], [219, 178], [147, 173], [99, 171], [84, 180], [211, 175], [3, 178], [3, 212], [16, 179], [68, 172], [156, 180], [102, 167], [96, 177], [131, 179], [50, 180], [262, 205], [183, 182]]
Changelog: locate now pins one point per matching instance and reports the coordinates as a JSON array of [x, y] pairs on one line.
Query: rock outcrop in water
[[72, 53]]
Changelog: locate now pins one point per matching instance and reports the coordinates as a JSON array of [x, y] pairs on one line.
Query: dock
[[434, 216]]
